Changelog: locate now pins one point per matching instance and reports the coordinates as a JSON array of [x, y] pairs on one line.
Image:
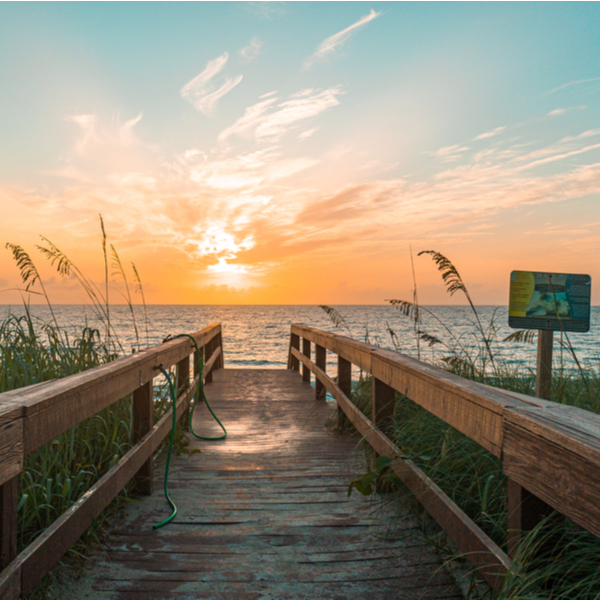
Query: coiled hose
[[173, 395]]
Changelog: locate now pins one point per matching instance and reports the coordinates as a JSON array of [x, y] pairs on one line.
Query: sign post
[[548, 302]]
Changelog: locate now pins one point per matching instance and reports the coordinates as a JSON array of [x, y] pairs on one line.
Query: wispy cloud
[[202, 91], [489, 134], [573, 83], [306, 134], [87, 125], [92, 132], [252, 50], [269, 121], [449, 153], [329, 45]]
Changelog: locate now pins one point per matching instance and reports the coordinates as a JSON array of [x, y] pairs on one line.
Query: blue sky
[[244, 142]]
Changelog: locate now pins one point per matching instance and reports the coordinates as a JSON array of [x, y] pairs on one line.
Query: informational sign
[[551, 301]]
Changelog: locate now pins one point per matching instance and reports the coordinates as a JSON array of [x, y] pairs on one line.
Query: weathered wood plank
[[293, 362], [306, 352], [11, 443], [554, 452], [47, 549], [52, 409], [477, 547], [210, 363], [474, 409], [321, 362], [143, 421], [8, 521], [266, 511]]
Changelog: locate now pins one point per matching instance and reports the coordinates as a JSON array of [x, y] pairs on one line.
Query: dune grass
[[557, 560], [32, 352]]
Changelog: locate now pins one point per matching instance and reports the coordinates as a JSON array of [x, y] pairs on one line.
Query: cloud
[[306, 134], [94, 133], [329, 45], [126, 131], [572, 83], [269, 121], [490, 134], [266, 10], [202, 91], [87, 124], [449, 153], [557, 112], [252, 50]]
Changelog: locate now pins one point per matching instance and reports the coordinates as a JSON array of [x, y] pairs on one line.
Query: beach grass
[[558, 559], [32, 352]]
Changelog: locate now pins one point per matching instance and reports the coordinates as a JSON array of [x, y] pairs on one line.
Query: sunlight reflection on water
[[258, 336]]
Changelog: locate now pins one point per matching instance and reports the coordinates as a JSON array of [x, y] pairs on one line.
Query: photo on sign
[[551, 301]]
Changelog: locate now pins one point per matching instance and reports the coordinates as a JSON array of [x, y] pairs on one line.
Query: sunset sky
[[292, 153]]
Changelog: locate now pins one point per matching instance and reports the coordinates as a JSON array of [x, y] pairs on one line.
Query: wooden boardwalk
[[265, 513]]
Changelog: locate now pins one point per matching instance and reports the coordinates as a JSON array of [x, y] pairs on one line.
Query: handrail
[[550, 452], [32, 416]]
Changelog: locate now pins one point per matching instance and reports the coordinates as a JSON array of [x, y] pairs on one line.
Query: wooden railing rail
[[550, 452], [33, 416]]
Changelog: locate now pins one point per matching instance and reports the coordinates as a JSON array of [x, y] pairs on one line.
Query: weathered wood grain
[[321, 362], [554, 452], [474, 409], [47, 549], [265, 512], [143, 421], [11, 442], [543, 380], [8, 521], [477, 547], [306, 350], [54, 408]]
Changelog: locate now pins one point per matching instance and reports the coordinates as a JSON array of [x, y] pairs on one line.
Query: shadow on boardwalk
[[264, 513]]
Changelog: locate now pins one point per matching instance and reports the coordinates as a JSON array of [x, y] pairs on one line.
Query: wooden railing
[[33, 416], [550, 452]]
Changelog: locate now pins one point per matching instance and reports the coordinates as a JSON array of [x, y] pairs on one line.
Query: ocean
[[258, 336]]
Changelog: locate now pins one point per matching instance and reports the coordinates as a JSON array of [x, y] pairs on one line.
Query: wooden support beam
[[143, 421], [219, 344], [543, 382], [490, 561], [48, 548], [383, 404], [208, 350], [306, 352], [525, 511], [321, 362], [293, 362], [344, 381], [8, 521], [183, 383]]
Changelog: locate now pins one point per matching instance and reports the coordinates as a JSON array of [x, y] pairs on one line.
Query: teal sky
[[243, 142]]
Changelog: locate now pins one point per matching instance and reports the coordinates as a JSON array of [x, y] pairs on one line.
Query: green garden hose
[[173, 394], [199, 391], [173, 425]]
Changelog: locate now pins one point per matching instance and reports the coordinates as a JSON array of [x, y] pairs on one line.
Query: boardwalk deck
[[265, 513]]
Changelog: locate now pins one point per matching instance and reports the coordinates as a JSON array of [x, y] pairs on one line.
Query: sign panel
[[553, 301]]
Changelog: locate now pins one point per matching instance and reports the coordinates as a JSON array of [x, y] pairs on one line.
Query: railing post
[[306, 352], [321, 362], [183, 383], [525, 511], [143, 421], [383, 404], [294, 363], [8, 521], [219, 344], [208, 350], [344, 381]]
